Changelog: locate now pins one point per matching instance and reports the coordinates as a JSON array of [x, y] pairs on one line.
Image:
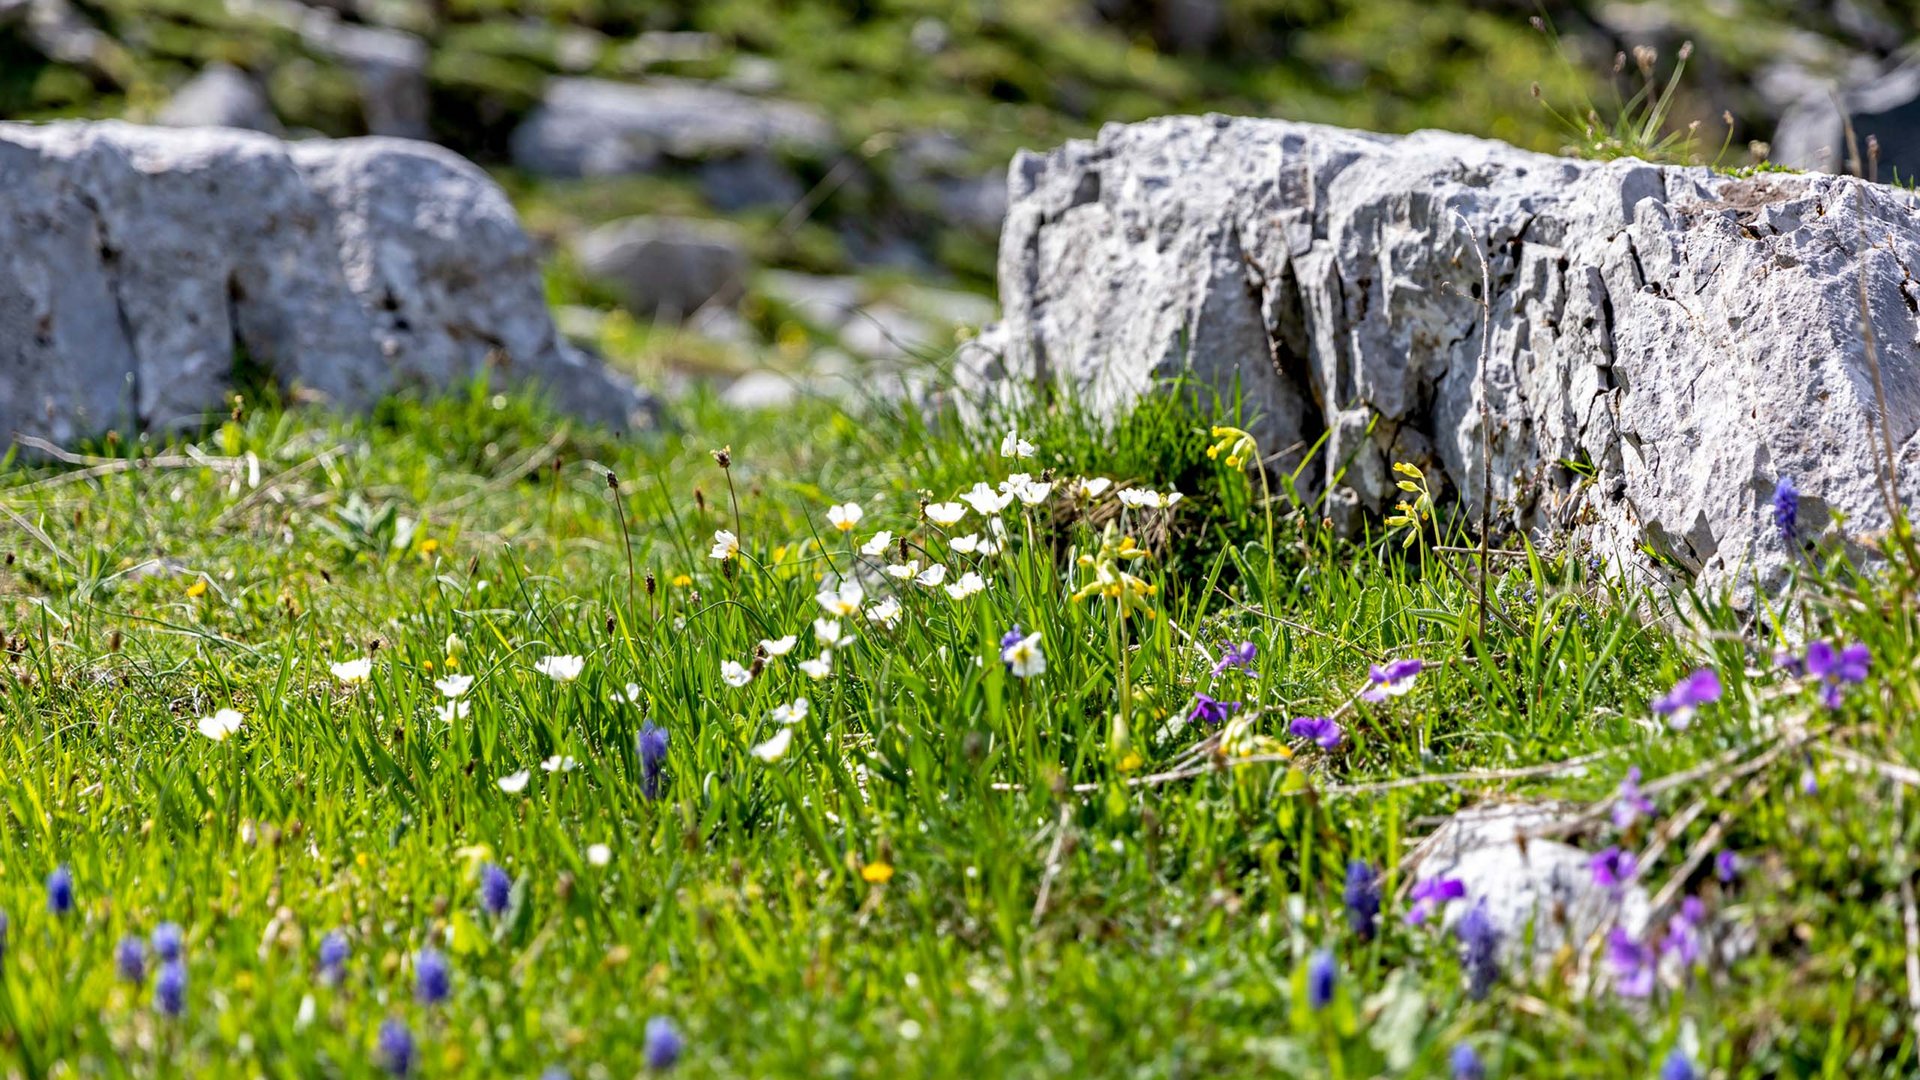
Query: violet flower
[[1207, 710], [1320, 975], [1324, 731], [652, 743], [1786, 509], [1726, 867], [1633, 964], [1613, 868], [1479, 950], [1629, 805], [1679, 704], [1234, 657], [1362, 898], [1394, 679], [1432, 893], [1837, 670]]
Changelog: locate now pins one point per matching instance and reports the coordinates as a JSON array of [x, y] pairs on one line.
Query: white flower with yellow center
[[779, 646], [1091, 487], [734, 675], [1142, 498], [876, 544], [845, 516], [904, 570], [791, 713], [931, 576], [1013, 446], [886, 612], [453, 686], [725, 545], [986, 501], [221, 725], [969, 584], [844, 600], [353, 672], [775, 748], [1023, 657], [449, 711], [965, 545], [561, 669], [945, 514], [819, 668]]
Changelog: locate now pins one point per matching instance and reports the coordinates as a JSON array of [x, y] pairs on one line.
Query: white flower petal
[[775, 748], [515, 782]]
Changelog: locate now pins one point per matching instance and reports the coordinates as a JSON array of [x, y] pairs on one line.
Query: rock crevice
[[1664, 343]]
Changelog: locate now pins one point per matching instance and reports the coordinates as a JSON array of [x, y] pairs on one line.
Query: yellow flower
[[681, 581], [1132, 761], [877, 873], [198, 588]]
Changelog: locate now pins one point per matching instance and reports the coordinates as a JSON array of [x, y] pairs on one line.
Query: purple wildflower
[[1362, 898], [1726, 867], [1614, 867], [663, 1045], [496, 889], [168, 939], [1464, 1063], [170, 988], [396, 1047], [1431, 894], [1785, 660], [1682, 940], [1677, 1067], [1837, 669], [60, 890], [1479, 950], [652, 743], [1239, 657], [334, 951], [1809, 781], [1392, 680], [1323, 731], [1679, 704], [1633, 964], [432, 977], [130, 959], [1012, 637], [1207, 710], [1786, 509], [1629, 805], [1320, 973]]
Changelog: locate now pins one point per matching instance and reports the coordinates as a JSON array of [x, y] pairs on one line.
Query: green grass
[[1178, 916]]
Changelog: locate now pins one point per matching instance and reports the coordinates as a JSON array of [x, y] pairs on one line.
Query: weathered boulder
[[137, 265], [1665, 343], [591, 127], [220, 96], [666, 268]]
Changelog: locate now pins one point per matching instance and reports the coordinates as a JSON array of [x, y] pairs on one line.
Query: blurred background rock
[[773, 197]]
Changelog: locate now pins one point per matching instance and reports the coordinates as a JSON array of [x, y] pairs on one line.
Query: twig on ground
[[1054, 858]]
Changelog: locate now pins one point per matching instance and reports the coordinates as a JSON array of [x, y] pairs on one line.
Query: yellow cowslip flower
[[198, 588], [877, 873], [1128, 592], [1238, 445]]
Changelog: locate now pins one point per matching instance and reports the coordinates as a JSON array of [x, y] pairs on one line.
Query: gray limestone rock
[[139, 265], [666, 268], [220, 96], [591, 127], [1665, 343]]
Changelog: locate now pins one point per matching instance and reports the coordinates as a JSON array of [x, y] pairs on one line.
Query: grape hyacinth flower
[[1679, 704], [334, 951], [1786, 509], [60, 890], [1678, 1067], [1464, 1063], [1392, 680], [1479, 950], [1629, 805], [663, 1045], [433, 977], [1236, 657], [496, 889], [1633, 964], [1362, 898], [1837, 669], [168, 939], [1324, 731], [1613, 868], [396, 1047], [652, 743], [1726, 867], [130, 959], [170, 988], [1320, 973], [1430, 895], [1207, 710]]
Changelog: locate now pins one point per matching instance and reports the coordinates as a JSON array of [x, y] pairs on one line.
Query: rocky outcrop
[[591, 127], [1664, 343], [140, 266], [666, 268]]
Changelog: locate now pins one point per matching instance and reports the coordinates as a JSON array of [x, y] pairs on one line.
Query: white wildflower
[[985, 500], [779, 646], [969, 584], [877, 543], [221, 724], [791, 713], [1014, 446], [775, 748], [353, 672], [1023, 657], [453, 686], [945, 514], [514, 782], [842, 601], [561, 669], [725, 545], [734, 675], [931, 576], [845, 516], [817, 669]]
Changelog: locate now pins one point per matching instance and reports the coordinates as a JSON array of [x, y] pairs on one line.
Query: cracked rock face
[[139, 265], [1664, 343]]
